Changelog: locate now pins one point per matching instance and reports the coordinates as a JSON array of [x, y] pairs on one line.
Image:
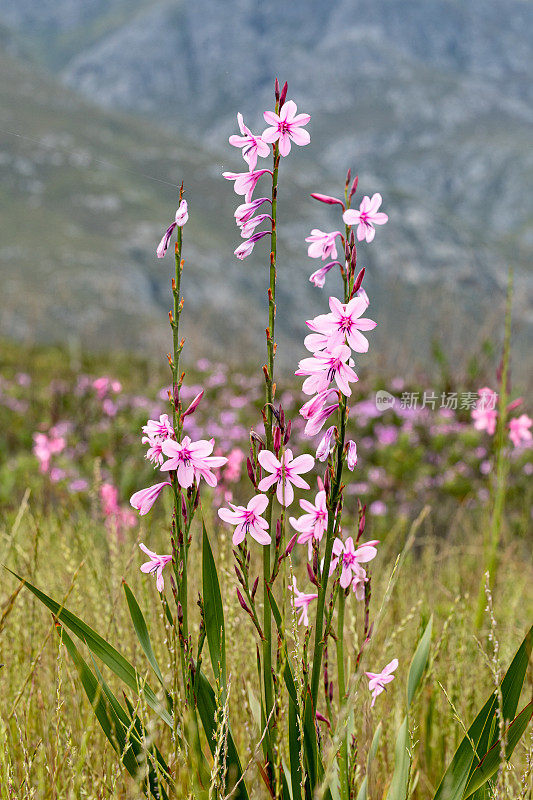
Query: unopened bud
[[277, 439], [283, 95], [278, 533], [183, 508], [242, 602], [276, 90], [290, 546], [354, 187], [348, 177], [180, 612], [194, 404], [254, 587], [358, 281], [331, 692], [238, 574], [287, 432], [251, 473], [327, 482]]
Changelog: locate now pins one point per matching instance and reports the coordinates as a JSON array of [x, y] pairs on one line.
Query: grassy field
[[426, 479]]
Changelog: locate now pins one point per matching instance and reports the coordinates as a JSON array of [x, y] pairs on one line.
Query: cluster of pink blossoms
[[485, 416], [286, 128]]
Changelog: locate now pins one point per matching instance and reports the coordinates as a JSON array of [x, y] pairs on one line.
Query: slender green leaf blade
[[419, 663], [402, 765], [141, 629], [214, 613], [294, 751]]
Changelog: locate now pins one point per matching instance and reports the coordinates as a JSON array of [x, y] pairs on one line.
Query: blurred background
[[106, 105]]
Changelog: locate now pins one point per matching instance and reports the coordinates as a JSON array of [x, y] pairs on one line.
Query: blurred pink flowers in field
[[519, 430], [248, 520], [485, 413], [378, 680], [45, 447], [367, 216], [286, 127]]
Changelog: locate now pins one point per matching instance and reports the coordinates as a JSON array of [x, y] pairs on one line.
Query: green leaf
[[207, 709], [213, 613], [310, 742], [402, 765], [419, 663], [141, 630], [490, 763], [362, 794], [101, 649], [294, 751], [482, 731]]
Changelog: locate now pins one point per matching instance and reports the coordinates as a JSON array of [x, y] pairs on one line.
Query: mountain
[[429, 100]]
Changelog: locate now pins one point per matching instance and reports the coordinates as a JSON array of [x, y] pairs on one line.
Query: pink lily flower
[[154, 454], [155, 565], [286, 126], [351, 558], [326, 445], [161, 427], [378, 680], [351, 456], [248, 520], [358, 581], [301, 600], [485, 413], [367, 216], [244, 249], [247, 228], [318, 278], [182, 215], [252, 146], [313, 524], [144, 499], [246, 211], [325, 366], [285, 473], [519, 430], [315, 413], [245, 182], [321, 244], [192, 460], [344, 320]]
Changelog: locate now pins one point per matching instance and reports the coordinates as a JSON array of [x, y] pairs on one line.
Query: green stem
[[343, 756]]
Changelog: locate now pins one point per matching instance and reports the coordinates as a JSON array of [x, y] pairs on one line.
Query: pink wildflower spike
[[485, 413], [181, 218], [156, 565], [313, 523], [326, 445], [322, 244], [244, 249], [351, 455], [318, 278], [144, 499], [245, 212], [367, 216], [245, 182], [326, 198], [519, 430], [284, 473], [247, 228], [351, 558], [301, 600], [287, 127], [248, 520], [345, 321], [325, 366], [192, 460], [378, 680], [252, 146]]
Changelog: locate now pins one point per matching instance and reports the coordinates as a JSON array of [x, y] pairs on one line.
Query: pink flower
[[109, 499], [192, 460], [378, 680], [286, 127], [344, 321], [232, 473], [318, 278], [161, 427], [326, 445], [326, 366], [156, 564], [316, 413], [351, 456], [285, 473], [351, 558], [358, 581], [247, 228], [485, 413], [144, 499], [312, 524], [301, 600], [245, 212], [45, 447], [245, 182], [181, 218], [366, 217], [252, 146], [322, 245], [519, 430], [248, 520], [328, 199], [244, 249]]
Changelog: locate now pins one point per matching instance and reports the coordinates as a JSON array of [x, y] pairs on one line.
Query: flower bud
[[348, 177], [242, 603], [283, 95], [354, 187], [358, 282], [277, 439], [287, 432], [194, 404], [254, 587], [278, 533], [251, 471]]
